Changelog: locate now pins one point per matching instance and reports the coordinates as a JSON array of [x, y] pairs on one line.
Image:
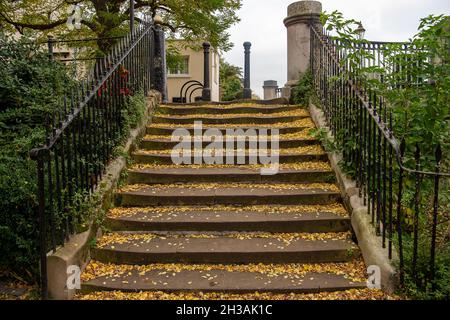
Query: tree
[[231, 82], [193, 20]]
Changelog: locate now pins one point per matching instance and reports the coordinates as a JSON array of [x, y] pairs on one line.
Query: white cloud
[[262, 24]]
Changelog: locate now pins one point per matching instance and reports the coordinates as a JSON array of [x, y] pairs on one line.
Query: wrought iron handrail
[[83, 134], [359, 115]]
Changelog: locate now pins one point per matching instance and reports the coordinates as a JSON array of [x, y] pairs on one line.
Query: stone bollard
[[270, 89], [300, 16]]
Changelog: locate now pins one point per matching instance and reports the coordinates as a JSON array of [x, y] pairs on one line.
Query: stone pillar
[[270, 89], [300, 15], [286, 92], [159, 63], [206, 93], [247, 90]]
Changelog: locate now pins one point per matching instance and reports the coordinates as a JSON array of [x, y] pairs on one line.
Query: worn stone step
[[184, 110], [237, 194], [226, 219], [146, 158], [237, 248], [189, 175], [168, 130], [237, 119], [162, 144], [221, 281]]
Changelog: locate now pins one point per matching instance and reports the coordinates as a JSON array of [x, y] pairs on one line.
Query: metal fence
[[363, 124], [83, 135], [78, 55]]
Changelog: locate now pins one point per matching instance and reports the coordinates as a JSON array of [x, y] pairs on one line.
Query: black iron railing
[[77, 54], [362, 122], [83, 135]]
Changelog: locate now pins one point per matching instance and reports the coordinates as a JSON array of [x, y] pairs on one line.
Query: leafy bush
[[231, 82], [416, 281], [31, 90], [414, 84], [134, 111], [303, 90]]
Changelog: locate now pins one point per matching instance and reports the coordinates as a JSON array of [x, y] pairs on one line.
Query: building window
[[181, 68]]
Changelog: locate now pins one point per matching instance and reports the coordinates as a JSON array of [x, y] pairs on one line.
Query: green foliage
[[31, 88], [421, 106], [416, 282], [231, 82], [31, 91], [303, 90], [134, 111], [417, 91], [322, 136], [415, 85], [193, 20], [173, 58], [197, 20]]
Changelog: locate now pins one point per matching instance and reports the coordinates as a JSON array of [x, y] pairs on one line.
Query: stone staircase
[[226, 228]]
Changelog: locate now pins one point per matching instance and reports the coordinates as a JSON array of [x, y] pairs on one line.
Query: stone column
[[206, 93], [270, 89], [300, 15], [247, 90]]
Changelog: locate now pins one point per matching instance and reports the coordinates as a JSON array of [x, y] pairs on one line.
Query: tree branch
[[91, 25], [172, 28], [38, 26]]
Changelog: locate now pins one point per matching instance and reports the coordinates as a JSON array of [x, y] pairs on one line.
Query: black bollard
[[247, 90], [206, 93]]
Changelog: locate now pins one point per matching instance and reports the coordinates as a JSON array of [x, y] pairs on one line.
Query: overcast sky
[[262, 25]]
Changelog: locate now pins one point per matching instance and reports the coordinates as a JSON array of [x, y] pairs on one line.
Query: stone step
[[222, 281], [168, 130], [185, 110], [189, 175], [236, 119], [237, 248], [141, 219], [148, 158], [142, 195], [163, 144]]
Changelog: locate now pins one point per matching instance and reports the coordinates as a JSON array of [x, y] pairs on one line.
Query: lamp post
[[360, 31]]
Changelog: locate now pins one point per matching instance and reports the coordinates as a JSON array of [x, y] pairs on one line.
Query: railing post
[[247, 90], [159, 62], [206, 93], [400, 215], [435, 216], [50, 48], [132, 18], [38, 156]]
